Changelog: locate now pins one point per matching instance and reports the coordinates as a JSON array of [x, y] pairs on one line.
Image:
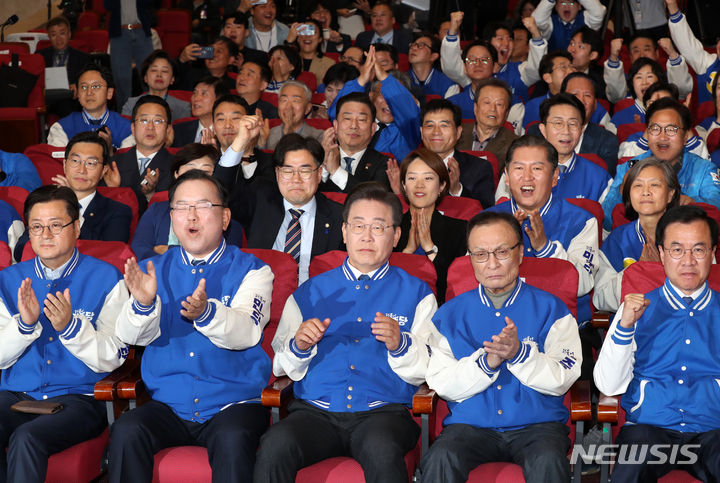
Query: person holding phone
[[309, 39], [212, 60]]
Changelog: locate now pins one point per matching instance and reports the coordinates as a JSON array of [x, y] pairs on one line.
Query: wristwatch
[[434, 249]]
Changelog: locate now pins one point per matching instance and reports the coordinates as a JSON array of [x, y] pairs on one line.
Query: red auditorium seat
[[308, 78], [22, 126], [595, 159], [270, 97], [158, 196], [5, 255], [14, 48], [459, 207], [127, 197], [173, 27], [182, 95], [88, 20], [15, 196], [48, 161], [321, 124], [95, 40], [625, 130]]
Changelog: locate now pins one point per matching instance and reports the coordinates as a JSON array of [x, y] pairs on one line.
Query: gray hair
[[301, 85]]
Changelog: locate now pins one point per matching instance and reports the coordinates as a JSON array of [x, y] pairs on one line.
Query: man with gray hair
[[293, 106]]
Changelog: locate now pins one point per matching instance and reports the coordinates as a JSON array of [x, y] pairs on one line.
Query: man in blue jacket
[[661, 355], [200, 310]]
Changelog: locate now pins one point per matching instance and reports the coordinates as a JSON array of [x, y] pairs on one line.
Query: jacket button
[[44, 396], [349, 396], [196, 413], [192, 271], [499, 387], [497, 314], [49, 362], [50, 339], [687, 341], [499, 411], [201, 270], [352, 367], [350, 388], [683, 368], [192, 354], [367, 287], [349, 406], [196, 400], [357, 287], [680, 381], [359, 319]]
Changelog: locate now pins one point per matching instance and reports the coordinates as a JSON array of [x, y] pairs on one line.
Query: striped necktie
[[292, 238], [348, 164], [144, 162]]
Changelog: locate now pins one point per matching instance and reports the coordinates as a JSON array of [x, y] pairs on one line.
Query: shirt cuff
[[546, 250], [207, 315], [614, 64], [522, 354], [623, 336], [141, 309], [340, 177], [483, 365], [405, 343], [299, 353], [230, 158], [676, 61], [71, 329], [451, 38], [539, 42], [23, 327], [676, 17], [459, 193]]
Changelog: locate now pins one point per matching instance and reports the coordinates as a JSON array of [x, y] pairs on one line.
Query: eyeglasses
[[568, 4], [95, 87], [484, 60], [146, 122], [349, 60], [563, 67], [287, 173], [377, 229], [670, 130], [698, 252], [559, 124], [502, 253], [419, 45], [89, 163], [56, 227], [199, 206]]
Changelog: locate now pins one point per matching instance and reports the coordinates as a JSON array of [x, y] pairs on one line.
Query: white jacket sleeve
[[98, 347], [608, 284], [542, 14], [57, 136], [678, 74], [688, 45], [529, 69], [13, 341], [614, 367], [287, 362], [615, 83], [451, 61], [138, 325], [240, 325], [594, 13], [411, 366], [551, 372]]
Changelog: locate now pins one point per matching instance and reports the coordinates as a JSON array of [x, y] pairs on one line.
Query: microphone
[[11, 21]]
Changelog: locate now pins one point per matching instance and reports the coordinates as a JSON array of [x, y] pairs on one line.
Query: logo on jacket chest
[[402, 320], [84, 313]]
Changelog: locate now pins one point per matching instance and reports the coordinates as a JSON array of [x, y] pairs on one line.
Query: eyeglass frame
[[474, 255], [352, 226], [283, 171], [559, 124], [146, 122], [703, 248], [419, 45], [32, 229], [484, 60], [75, 163], [94, 87], [671, 134], [198, 206]]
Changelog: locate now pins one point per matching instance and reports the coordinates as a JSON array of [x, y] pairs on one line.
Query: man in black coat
[[382, 21]]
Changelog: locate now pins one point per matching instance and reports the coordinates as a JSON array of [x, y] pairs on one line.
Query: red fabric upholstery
[[308, 78], [705, 110], [459, 207], [430, 97], [559, 277], [14, 48], [403, 62], [618, 216], [96, 40], [113, 252], [48, 160], [20, 128], [5, 255], [625, 130], [182, 95], [418, 266], [273, 122], [158, 196], [595, 159], [322, 124], [270, 97], [713, 141], [342, 469], [317, 98], [126, 196], [15, 196], [182, 464], [81, 462], [333, 55], [173, 27], [593, 207], [623, 104], [335, 196], [493, 161], [88, 20]]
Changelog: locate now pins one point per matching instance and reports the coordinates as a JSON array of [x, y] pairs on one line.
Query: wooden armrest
[[424, 400], [608, 407], [580, 402], [106, 388], [131, 386], [601, 320], [41, 110], [277, 393]]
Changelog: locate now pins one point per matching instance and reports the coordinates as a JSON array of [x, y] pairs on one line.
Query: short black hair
[[89, 137], [296, 142], [155, 55], [195, 174], [59, 20], [592, 38], [191, 152], [641, 35], [51, 192], [360, 97], [265, 72], [233, 99], [639, 64], [103, 71], [491, 29], [241, 18], [548, 60], [390, 50], [685, 214], [660, 86], [435, 105], [670, 103], [374, 191], [495, 82], [216, 83], [560, 99], [292, 56], [341, 72], [481, 43], [485, 218], [531, 141], [151, 99], [232, 47], [582, 75]]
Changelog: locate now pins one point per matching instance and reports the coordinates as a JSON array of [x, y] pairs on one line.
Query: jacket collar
[[69, 268]]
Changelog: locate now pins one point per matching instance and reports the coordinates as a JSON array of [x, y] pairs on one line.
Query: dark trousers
[[32, 438], [378, 440], [231, 438], [634, 467], [541, 449]]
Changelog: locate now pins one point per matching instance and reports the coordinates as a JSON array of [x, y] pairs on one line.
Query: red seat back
[[173, 27], [336, 196], [459, 207], [14, 48], [5, 255], [14, 196], [309, 79], [713, 141], [644, 277], [595, 159], [321, 124], [127, 197], [594, 208], [704, 110], [270, 97], [88, 20], [182, 95], [35, 65], [48, 161], [95, 40], [493, 162], [113, 252], [625, 130], [158, 196], [403, 62]]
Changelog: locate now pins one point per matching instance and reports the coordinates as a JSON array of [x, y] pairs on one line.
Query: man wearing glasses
[[146, 167], [292, 216], [199, 310], [57, 338], [86, 158], [95, 88], [353, 341], [668, 128], [661, 355], [503, 356], [424, 55]]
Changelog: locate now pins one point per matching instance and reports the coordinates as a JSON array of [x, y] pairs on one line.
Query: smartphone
[[258, 2], [206, 52], [352, 11], [306, 29], [145, 181]]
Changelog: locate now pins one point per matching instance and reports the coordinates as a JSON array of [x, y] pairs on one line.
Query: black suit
[[185, 133], [130, 174], [75, 62], [476, 177], [104, 219], [371, 167], [235, 181], [60, 101], [401, 40]]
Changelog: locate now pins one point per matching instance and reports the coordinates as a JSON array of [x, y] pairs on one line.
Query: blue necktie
[[143, 165], [348, 164], [197, 262], [364, 277], [562, 168], [292, 238], [688, 301]]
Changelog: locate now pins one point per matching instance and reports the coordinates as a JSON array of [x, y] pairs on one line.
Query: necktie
[[292, 238], [688, 301], [348, 164], [562, 168], [364, 277], [197, 262], [143, 164], [376, 136], [60, 58], [94, 122]]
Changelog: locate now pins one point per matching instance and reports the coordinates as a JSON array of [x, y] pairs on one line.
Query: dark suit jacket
[[371, 167], [130, 175], [497, 145], [596, 140], [234, 180], [476, 177], [75, 62], [448, 234], [104, 219], [262, 204], [401, 40], [185, 133]]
